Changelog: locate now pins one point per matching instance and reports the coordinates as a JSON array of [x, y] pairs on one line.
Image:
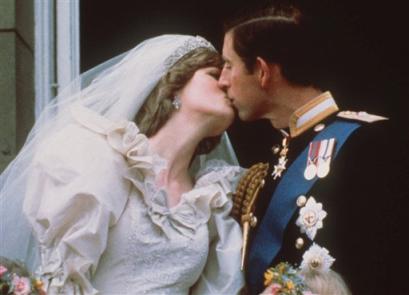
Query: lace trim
[[56, 275], [218, 171]]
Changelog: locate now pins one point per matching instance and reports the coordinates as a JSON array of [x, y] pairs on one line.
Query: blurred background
[[368, 68], [45, 43]]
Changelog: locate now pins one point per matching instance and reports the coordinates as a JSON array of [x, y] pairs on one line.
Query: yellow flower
[[268, 277], [281, 268], [290, 285], [38, 284]]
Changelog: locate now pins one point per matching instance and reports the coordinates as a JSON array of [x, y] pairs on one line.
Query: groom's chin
[[246, 116]]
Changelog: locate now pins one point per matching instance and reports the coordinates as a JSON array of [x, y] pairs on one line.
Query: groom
[[335, 177]]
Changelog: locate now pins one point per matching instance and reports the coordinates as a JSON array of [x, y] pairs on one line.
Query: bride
[[117, 182]]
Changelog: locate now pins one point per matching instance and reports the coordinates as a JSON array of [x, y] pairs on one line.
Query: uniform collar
[[312, 113]]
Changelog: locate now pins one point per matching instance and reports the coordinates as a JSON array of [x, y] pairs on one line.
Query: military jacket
[[365, 198]]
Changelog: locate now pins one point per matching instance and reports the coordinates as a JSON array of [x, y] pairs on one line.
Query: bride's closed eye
[[215, 73]]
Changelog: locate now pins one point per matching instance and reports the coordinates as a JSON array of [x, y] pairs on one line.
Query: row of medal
[[318, 160]]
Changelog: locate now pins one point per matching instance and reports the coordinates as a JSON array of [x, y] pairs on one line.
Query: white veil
[[115, 89]]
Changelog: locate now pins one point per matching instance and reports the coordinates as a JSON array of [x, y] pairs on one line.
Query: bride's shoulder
[[76, 149]]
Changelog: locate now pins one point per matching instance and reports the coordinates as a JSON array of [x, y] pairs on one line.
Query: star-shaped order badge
[[311, 218], [279, 168], [316, 258]]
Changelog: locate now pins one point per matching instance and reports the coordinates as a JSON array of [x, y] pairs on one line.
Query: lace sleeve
[[75, 193]]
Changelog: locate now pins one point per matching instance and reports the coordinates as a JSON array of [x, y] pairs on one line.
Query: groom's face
[[242, 87]]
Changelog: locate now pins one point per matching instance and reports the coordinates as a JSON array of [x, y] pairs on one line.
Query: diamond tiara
[[189, 45]]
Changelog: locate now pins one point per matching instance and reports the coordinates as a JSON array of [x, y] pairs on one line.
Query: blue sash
[[268, 239]]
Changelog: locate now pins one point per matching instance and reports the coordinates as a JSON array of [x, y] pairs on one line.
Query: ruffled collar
[[213, 183]]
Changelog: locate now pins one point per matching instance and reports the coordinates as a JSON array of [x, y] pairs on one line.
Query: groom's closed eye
[[227, 65]]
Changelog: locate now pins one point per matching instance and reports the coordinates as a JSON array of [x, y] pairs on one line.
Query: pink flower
[[21, 285], [275, 289], [3, 270]]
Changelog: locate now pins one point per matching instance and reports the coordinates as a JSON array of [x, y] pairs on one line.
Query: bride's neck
[[176, 142]]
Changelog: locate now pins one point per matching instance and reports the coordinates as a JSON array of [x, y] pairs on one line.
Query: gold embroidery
[[244, 200], [294, 130]]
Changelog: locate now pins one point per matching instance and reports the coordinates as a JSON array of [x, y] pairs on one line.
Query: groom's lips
[[229, 98]]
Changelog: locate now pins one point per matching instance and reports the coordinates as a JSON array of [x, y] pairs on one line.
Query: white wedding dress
[[104, 226]]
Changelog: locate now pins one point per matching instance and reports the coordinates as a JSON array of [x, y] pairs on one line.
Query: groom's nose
[[224, 82]]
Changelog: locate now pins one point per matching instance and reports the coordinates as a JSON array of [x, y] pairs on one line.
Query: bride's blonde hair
[[158, 107]]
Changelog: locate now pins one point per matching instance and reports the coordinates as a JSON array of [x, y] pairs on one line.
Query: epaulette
[[361, 116], [244, 199]]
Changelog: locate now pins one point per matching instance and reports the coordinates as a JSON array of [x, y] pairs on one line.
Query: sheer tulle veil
[[115, 89]]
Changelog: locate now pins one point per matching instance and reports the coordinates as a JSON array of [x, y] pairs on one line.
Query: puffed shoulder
[[125, 138], [80, 162], [76, 191]]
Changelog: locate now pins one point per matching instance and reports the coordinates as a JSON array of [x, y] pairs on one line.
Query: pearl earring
[[176, 103]]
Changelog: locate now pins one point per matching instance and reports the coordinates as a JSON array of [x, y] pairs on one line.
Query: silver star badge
[[311, 217], [279, 168]]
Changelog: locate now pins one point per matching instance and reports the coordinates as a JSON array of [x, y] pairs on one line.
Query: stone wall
[[16, 76]]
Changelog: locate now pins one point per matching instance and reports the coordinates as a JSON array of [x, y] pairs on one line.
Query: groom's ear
[[266, 72]]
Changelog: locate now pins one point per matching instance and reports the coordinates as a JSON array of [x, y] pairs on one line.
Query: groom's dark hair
[[281, 35]]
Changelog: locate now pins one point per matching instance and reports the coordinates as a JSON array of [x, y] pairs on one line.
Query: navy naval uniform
[[365, 197]]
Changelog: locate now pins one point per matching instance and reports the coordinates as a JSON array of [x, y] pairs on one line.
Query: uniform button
[[299, 243], [319, 127], [275, 149], [253, 221], [301, 200]]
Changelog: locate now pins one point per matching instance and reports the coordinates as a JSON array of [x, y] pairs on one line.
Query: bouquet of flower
[[284, 279], [18, 284]]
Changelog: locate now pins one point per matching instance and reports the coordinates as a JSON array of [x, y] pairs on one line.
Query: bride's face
[[203, 96]]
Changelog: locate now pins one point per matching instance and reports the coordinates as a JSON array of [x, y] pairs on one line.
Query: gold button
[[301, 200], [299, 243], [253, 221], [319, 127]]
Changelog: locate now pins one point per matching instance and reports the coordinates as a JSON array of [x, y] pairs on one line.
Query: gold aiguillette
[[244, 201]]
